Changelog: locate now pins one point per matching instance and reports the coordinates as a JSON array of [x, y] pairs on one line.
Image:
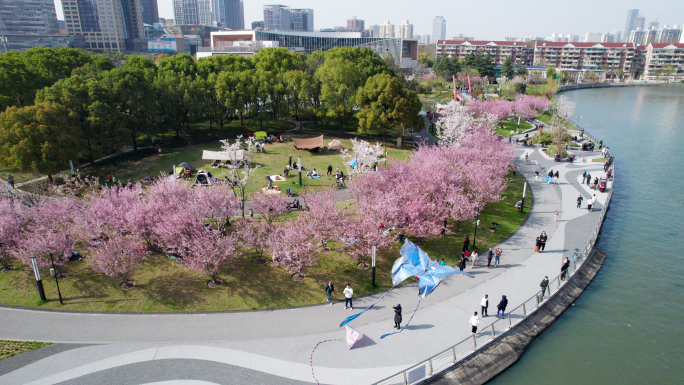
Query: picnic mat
[[278, 178]]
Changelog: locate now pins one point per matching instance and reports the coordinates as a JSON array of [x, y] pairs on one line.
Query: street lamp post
[[373, 263], [299, 166], [522, 205], [53, 272], [39, 282], [477, 223]]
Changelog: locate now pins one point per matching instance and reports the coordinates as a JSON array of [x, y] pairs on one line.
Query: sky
[[499, 18]]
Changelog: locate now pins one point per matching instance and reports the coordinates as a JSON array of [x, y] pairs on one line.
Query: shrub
[[554, 149], [544, 137], [520, 88]]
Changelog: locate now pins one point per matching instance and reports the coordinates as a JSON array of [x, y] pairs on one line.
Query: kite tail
[[545, 191], [353, 317], [312, 353], [407, 323]]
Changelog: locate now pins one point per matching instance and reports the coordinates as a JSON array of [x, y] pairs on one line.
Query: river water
[[628, 326]]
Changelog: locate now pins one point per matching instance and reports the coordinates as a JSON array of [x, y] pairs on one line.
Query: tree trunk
[[135, 143], [242, 119], [341, 127]]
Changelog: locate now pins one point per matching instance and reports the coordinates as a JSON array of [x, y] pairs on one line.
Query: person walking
[[329, 289], [473, 258], [584, 176], [537, 245], [329, 173], [580, 198], [490, 255], [536, 176], [556, 176], [590, 203], [462, 262], [497, 257], [501, 307], [550, 174], [564, 269], [526, 156], [348, 293], [397, 316], [485, 305], [588, 179], [543, 238], [474, 323], [10, 180], [555, 216], [514, 170], [289, 162], [466, 243], [544, 286]]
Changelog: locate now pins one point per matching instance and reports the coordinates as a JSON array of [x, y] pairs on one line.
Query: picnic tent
[[218, 155], [308, 143], [184, 166], [260, 135], [335, 145]]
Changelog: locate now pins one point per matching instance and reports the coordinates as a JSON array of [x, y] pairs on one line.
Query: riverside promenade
[[274, 346]]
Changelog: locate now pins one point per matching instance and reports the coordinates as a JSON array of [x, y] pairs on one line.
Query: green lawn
[[545, 117], [162, 285], [511, 125], [12, 348], [273, 162]]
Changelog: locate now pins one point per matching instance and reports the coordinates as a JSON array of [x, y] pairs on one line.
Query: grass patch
[[272, 162], [511, 125], [545, 117], [12, 348], [162, 285], [599, 160]]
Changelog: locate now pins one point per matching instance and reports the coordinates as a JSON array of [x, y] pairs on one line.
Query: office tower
[[109, 25], [425, 39], [258, 24], [387, 30], [150, 11], [375, 30], [405, 30], [591, 37], [27, 17], [355, 25], [276, 18], [302, 20], [438, 29], [630, 24], [191, 12], [654, 25], [640, 22], [667, 35], [228, 14]]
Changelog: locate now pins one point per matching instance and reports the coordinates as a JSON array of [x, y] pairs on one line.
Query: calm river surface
[[628, 326]]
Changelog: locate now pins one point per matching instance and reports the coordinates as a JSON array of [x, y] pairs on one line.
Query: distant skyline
[[501, 18]]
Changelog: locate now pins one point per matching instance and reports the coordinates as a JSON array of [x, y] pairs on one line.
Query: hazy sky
[[492, 19]]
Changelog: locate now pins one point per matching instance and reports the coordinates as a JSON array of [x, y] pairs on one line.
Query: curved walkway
[[274, 346]]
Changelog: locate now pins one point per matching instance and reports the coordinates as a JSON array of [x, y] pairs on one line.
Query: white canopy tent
[[218, 155]]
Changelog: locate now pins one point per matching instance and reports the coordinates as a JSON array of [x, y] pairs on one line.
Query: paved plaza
[[274, 346]]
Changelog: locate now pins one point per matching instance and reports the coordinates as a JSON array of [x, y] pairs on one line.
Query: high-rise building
[[405, 30], [610, 37], [28, 17], [355, 25], [375, 30], [387, 30], [150, 11], [640, 22], [108, 25], [228, 14], [668, 35], [511, 38], [276, 18], [191, 12], [425, 39], [637, 36], [590, 37], [630, 24], [438, 29], [654, 25], [302, 20], [258, 25]]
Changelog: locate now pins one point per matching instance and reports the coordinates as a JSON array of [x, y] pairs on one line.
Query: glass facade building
[[228, 14], [28, 17], [302, 20], [276, 18], [150, 11]]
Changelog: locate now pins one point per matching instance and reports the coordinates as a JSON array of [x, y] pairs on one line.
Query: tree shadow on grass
[[178, 291]]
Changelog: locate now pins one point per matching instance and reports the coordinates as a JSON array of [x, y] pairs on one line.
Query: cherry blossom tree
[[292, 248], [13, 219], [240, 167], [360, 234], [454, 124], [364, 156], [269, 206], [323, 218], [118, 257], [208, 251], [564, 107], [255, 235], [216, 203], [49, 235], [501, 108]]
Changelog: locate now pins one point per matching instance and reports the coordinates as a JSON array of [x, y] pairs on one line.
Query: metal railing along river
[[451, 357]]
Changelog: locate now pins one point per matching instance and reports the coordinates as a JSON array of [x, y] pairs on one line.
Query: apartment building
[[519, 52], [663, 57], [578, 56]]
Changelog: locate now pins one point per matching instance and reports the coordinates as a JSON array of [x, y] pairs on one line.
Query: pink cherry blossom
[[117, 257]]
